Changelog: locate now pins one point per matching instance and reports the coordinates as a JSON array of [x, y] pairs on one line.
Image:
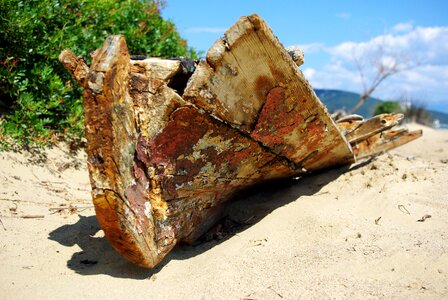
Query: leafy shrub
[[39, 100], [387, 107]]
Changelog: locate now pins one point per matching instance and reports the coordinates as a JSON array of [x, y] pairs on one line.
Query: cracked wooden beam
[[356, 130], [384, 141], [163, 158], [247, 76], [76, 65], [374, 136]]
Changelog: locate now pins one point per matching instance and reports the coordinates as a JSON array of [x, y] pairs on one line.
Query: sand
[[342, 233]]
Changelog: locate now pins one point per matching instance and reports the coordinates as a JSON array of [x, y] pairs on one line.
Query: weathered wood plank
[[153, 67], [250, 82], [356, 130], [384, 141], [76, 65], [119, 189]]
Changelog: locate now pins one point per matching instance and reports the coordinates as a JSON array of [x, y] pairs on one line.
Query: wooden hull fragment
[[358, 130], [164, 159], [384, 141]]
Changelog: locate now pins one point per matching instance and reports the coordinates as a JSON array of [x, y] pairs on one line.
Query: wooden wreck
[[169, 145]]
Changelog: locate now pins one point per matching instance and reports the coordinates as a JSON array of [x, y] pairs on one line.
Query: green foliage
[[38, 98], [387, 107]]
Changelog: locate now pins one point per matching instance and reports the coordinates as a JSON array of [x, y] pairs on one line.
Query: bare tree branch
[[385, 64]]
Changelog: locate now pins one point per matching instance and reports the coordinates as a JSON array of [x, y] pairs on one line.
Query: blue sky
[[333, 32]]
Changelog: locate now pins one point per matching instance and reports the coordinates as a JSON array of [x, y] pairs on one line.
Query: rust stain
[[279, 75], [276, 121], [175, 139], [138, 197], [209, 156], [263, 84]]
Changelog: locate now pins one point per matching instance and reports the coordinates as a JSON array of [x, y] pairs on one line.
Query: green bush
[[387, 107], [39, 100]]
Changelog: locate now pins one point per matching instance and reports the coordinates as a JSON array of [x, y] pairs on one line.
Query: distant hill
[[336, 99], [442, 117]]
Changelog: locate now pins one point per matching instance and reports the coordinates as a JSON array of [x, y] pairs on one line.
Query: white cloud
[[428, 43], [312, 47], [334, 76], [425, 48], [343, 15], [205, 30], [309, 73], [425, 82], [389, 61], [403, 27]]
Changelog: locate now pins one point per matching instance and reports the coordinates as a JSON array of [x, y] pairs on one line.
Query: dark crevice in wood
[[180, 80]]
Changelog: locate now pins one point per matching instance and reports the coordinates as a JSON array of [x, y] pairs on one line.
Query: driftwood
[[164, 154]]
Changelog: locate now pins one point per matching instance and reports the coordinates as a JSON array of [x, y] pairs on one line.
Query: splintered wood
[[164, 154]]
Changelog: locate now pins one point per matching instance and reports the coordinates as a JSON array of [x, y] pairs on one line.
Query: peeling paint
[[162, 166]]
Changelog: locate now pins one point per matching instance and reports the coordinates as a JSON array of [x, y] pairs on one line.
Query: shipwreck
[[169, 142]]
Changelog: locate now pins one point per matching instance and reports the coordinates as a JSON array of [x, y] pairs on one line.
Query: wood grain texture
[[163, 165], [358, 130], [384, 141], [250, 82], [119, 189]]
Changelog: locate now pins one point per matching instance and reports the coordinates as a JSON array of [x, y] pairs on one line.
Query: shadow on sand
[[98, 257]]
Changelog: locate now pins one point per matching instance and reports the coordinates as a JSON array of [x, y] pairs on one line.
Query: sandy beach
[[376, 230]]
